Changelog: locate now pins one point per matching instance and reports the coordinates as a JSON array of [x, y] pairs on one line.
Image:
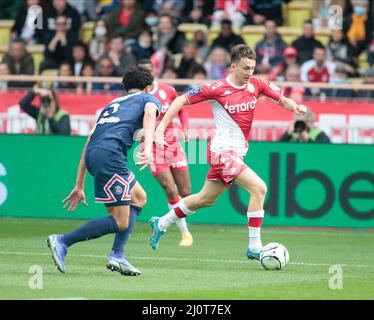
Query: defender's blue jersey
[[118, 122]]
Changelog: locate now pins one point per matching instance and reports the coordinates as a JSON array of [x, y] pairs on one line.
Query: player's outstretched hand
[[144, 160], [73, 199], [300, 109]]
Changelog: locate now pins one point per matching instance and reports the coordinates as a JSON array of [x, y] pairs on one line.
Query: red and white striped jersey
[[233, 110]]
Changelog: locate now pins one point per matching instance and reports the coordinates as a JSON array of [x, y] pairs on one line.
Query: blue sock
[[91, 230], [121, 237]]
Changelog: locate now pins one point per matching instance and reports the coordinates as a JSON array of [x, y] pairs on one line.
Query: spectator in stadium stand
[[217, 64], [292, 74], [106, 69], [368, 79], [359, 24], [120, 56], [227, 38], [64, 70], [340, 76], [290, 59], [340, 51], [262, 10], [53, 12], [200, 38], [187, 65], [25, 18], [317, 70], [234, 10], [20, 62], [87, 71], [306, 43], [304, 129], [371, 51], [100, 39], [80, 57], [167, 35], [143, 47], [151, 20], [4, 71], [49, 117], [127, 20], [58, 46], [200, 75], [171, 73], [198, 11], [269, 51], [86, 9], [172, 7]]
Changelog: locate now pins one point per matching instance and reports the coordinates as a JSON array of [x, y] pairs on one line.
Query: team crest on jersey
[[118, 190], [251, 88], [162, 94], [274, 87], [194, 91]]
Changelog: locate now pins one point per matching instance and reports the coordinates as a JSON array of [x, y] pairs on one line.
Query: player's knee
[[185, 191], [122, 224], [259, 190]]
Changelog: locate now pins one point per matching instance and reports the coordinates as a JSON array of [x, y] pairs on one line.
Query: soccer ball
[[274, 256]]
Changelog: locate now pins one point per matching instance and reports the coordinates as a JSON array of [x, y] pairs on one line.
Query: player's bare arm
[[77, 194], [149, 125], [174, 108], [292, 105]]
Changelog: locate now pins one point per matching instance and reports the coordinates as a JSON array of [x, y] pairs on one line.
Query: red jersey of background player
[[233, 109], [166, 95]]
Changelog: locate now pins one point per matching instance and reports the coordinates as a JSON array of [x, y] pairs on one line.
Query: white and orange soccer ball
[[274, 256]]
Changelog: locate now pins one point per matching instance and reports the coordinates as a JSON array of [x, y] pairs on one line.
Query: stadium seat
[[323, 34], [289, 34], [190, 28], [5, 26], [3, 50], [86, 31], [298, 12], [252, 34], [47, 72]]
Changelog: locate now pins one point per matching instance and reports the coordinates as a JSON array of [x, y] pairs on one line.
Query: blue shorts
[[113, 180]]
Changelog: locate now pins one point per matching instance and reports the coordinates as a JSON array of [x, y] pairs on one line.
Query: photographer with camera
[[304, 130], [49, 117]]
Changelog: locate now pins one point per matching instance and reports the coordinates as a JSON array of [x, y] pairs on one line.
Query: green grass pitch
[[214, 268]]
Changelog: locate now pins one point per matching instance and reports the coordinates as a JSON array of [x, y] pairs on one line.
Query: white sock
[[182, 226], [168, 219], [254, 233]]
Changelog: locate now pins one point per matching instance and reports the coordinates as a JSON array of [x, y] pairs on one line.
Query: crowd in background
[[129, 30]]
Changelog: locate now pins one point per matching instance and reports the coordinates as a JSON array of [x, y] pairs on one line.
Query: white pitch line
[[190, 260]]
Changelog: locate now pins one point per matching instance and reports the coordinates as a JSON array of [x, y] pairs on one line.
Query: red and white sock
[[180, 211], [255, 219], [181, 223]]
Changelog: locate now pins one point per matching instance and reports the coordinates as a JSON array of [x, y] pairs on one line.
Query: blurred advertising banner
[[343, 121], [309, 185]]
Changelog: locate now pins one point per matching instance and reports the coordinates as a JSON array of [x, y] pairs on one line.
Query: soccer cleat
[[186, 241], [58, 250], [156, 233], [252, 255], [122, 266]]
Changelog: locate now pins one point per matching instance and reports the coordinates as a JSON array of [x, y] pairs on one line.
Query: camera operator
[[304, 130], [49, 117]]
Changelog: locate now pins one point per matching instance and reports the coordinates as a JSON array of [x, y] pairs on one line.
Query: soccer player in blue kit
[[104, 156]]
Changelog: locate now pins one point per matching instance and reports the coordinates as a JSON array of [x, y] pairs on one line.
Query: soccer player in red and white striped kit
[[234, 102]]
